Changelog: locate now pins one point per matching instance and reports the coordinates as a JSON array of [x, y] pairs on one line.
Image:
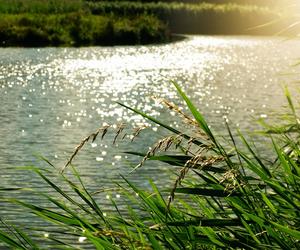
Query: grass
[[223, 196]]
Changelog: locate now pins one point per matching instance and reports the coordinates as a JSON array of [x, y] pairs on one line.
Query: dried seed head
[[137, 131], [212, 160], [84, 141], [198, 161], [189, 144], [104, 130], [178, 140], [229, 176], [187, 119], [190, 163], [174, 107], [162, 145], [120, 128], [92, 136], [232, 181]]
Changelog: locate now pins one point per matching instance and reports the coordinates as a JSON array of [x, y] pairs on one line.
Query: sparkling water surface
[[52, 98]]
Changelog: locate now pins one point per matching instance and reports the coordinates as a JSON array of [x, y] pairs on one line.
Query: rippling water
[[51, 98]]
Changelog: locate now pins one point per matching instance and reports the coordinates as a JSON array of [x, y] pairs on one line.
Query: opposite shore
[[86, 23]]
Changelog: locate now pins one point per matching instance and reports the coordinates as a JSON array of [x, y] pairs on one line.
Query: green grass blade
[[290, 102], [10, 241], [154, 243], [285, 229], [173, 130], [178, 160], [206, 192], [199, 118], [206, 223], [49, 215], [27, 239]]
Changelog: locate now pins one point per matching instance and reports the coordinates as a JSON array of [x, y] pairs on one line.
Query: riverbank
[[77, 29], [82, 23]]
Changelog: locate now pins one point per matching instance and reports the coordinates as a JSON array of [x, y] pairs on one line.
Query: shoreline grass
[[201, 18]]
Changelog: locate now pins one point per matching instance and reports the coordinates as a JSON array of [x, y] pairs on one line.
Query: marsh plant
[[223, 197]]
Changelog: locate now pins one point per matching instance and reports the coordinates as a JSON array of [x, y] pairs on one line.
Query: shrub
[[79, 29]]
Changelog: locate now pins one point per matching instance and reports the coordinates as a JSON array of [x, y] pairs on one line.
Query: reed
[[223, 197]]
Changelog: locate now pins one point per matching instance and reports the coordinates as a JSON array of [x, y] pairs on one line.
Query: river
[[51, 98]]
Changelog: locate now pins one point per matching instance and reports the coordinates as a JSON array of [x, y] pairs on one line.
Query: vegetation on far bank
[[63, 6], [75, 29], [54, 22], [202, 18]]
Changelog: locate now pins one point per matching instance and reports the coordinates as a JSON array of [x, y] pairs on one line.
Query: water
[[51, 98]]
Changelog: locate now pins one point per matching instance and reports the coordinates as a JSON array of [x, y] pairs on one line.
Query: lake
[[51, 98]]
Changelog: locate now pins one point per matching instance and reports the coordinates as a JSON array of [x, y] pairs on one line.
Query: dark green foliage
[[142, 29], [40, 6], [75, 29], [16, 238], [203, 18]]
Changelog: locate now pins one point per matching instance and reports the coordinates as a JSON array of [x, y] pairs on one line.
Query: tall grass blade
[[199, 118]]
